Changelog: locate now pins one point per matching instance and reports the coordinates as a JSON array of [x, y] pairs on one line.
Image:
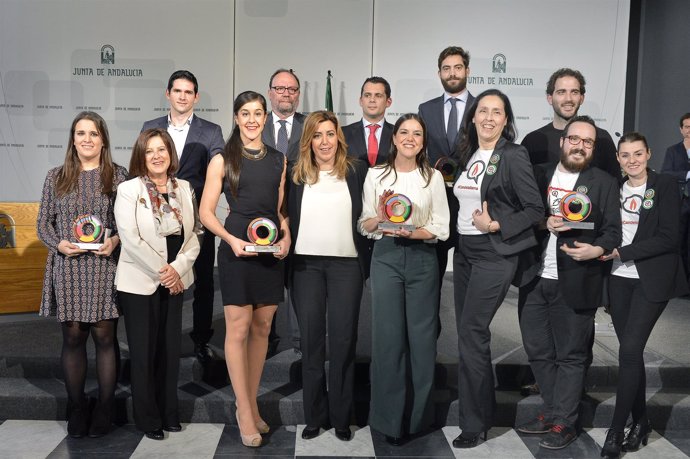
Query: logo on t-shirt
[[632, 204], [555, 197], [475, 171]]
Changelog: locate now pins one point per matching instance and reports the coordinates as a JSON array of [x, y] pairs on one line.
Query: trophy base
[[579, 225], [395, 227], [262, 248], [88, 245]]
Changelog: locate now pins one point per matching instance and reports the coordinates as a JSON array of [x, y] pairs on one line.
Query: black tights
[[633, 317], [74, 360]]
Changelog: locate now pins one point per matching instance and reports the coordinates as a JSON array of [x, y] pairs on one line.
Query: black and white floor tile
[[48, 439]]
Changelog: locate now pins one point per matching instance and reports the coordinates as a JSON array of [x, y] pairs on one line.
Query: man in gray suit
[[443, 117], [283, 131], [196, 141], [370, 138]]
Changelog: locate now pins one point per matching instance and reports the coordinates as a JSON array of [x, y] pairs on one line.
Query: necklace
[[254, 155]]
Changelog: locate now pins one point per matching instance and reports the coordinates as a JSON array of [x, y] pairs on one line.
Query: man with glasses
[[561, 279], [283, 131], [565, 92], [369, 139]]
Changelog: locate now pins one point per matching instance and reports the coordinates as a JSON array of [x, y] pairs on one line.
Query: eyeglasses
[[281, 89], [576, 139]]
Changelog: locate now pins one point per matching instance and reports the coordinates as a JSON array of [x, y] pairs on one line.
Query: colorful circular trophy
[[397, 209], [448, 168], [262, 233], [575, 208], [89, 232]]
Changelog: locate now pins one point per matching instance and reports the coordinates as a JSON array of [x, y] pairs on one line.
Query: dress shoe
[[344, 434], [100, 420], [612, 445], [173, 428], [203, 353], [262, 427], [310, 432], [538, 425], [638, 434], [155, 434], [559, 437], [467, 440], [251, 440], [78, 418], [395, 441]]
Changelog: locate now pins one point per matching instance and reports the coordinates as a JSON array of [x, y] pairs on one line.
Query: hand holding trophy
[[263, 234]]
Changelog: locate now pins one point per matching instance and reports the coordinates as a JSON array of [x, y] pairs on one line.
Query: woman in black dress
[[252, 176]]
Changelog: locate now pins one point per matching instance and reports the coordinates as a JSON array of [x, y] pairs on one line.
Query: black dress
[[252, 280]]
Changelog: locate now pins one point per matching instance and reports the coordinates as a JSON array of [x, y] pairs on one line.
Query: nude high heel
[[250, 441]]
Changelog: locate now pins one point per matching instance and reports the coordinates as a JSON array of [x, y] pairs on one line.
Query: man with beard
[[283, 131], [443, 117], [565, 92], [561, 280]]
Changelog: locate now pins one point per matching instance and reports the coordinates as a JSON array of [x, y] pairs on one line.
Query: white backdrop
[[50, 58]]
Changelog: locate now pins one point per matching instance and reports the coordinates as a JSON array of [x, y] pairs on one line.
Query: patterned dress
[[77, 288]]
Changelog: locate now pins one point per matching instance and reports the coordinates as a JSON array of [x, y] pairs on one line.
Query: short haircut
[[683, 118], [564, 72], [183, 75], [377, 80], [137, 163], [454, 51], [634, 136], [578, 119], [281, 70]]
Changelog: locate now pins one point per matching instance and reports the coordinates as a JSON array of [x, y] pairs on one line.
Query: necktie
[[452, 128], [372, 144], [282, 143]]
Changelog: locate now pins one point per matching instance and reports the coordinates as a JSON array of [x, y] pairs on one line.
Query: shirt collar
[[462, 96], [188, 122]]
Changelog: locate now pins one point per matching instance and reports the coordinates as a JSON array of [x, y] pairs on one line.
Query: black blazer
[[655, 247], [355, 182], [204, 140], [355, 134], [512, 197], [431, 112], [269, 138], [580, 282], [676, 164]]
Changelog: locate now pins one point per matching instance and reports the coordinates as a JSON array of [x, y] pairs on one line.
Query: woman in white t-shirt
[[647, 272]]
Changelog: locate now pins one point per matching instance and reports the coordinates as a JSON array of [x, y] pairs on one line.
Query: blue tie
[[452, 128], [282, 143]]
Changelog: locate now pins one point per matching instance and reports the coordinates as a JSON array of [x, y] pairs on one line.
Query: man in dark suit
[[561, 281], [283, 131], [443, 117], [370, 138], [196, 141], [677, 164]]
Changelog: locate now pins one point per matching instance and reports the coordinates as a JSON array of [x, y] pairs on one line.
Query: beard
[[454, 86], [560, 113], [573, 165]]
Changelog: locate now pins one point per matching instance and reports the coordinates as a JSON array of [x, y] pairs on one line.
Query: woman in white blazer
[[155, 213]]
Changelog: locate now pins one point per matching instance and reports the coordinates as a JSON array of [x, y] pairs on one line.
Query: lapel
[[358, 139], [144, 219], [583, 180], [439, 124], [644, 213], [193, 137], [296, 132], [188, 219], [385, 142], [268, 135], [495, 160]]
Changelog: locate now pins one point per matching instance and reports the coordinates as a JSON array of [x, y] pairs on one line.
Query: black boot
[[78, 417], [612, 445], [638, 434], [101, 419]]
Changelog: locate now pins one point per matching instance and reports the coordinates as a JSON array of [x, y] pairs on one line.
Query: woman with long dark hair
[[252, 176], [78, 284], [404, 282], [647, 272], [499, 203]]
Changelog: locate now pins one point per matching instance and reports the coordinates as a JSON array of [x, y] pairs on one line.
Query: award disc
[[448, 168], [87, 228], [575, 206], [398, 208], [262, 231]]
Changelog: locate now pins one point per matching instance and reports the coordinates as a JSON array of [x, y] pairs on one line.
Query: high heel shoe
[[250, 441], [638, 433], [468, 439], [612, 445], [261, 425]]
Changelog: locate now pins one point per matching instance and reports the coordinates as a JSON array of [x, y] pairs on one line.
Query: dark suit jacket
[[513, 199], [204, 140], [355, 134], [431, 112], [269, 137], [677, 165], [655, 247], [355, 182], [580, 282]]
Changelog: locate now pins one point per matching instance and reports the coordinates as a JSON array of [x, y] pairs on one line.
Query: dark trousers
[[202, 306], [404, 290], [685, 233], [556, 338], [633, 317], [327, 292], [154, 328], [481, 278]]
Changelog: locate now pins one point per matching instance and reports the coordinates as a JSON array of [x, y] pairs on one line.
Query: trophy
[[89, 231], [262, 233], [448, 167], [575, 208], [397, 209]]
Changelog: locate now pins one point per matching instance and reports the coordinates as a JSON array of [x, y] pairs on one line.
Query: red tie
[[373, 146]]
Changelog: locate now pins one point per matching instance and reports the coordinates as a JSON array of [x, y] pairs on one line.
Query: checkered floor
[[37, 439]]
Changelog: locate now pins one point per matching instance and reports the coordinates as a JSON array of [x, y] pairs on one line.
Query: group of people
[[552, 216]]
